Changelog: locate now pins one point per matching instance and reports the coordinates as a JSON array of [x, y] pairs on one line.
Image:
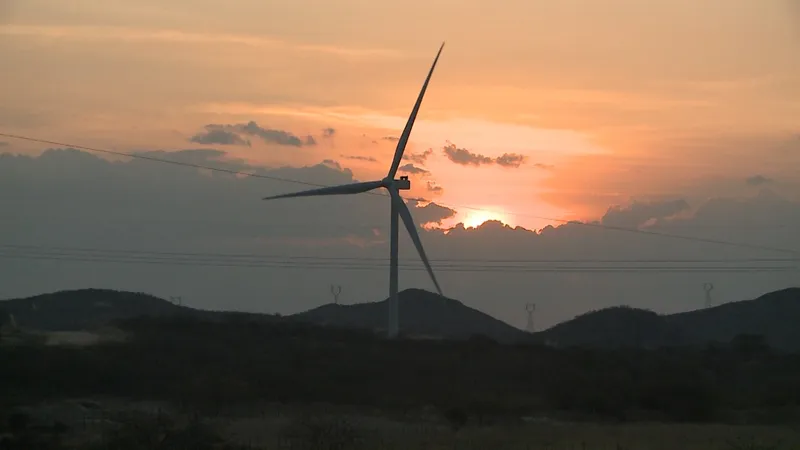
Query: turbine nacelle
[[402, 184]]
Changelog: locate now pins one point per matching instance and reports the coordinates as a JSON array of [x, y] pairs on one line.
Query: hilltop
[[85, 309], [423, 314], [773, 316]]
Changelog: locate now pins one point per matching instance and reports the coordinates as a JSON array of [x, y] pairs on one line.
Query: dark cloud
[[758, 180], [418, 158], [430, 213], [218, 135], [232, 135], [328, 132], [359, 158], [412, 169], [391, 138], [271, 136], [544, 166], [510, 160], [465, 157], [4, 144], [639, 213], [434, 188]]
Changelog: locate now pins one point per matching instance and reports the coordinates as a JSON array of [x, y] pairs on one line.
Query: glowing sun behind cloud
[[473, 218]]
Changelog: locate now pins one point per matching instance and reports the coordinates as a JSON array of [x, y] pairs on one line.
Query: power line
[[134, 258], [296, 225], [283, 257], [372, 267], [288, 180]]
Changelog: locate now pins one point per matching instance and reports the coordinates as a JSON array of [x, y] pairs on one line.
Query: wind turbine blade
[[405, 214], [401, 143], [353, 188]]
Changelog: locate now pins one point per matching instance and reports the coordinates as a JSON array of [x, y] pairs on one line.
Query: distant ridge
[[85, 308], [775, 316], [423, 314]]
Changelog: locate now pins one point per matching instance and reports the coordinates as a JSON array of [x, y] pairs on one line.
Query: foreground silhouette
[[205, 366]]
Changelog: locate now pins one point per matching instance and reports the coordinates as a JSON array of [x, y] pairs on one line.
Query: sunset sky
[[676, 117], [607, 101]]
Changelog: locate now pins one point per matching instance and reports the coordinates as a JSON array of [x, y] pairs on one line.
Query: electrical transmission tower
[[530, 308], [708, 287], [336, 290]]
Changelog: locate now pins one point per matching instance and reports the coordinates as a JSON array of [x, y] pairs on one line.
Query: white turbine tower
[[398, 208]]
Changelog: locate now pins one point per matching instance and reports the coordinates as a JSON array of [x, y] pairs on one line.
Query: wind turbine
[[398, 208]]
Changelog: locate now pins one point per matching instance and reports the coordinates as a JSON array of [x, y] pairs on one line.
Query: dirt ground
[[371, 432], [308, 428]]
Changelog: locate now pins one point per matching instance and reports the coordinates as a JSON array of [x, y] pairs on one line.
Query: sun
[[474, 218]]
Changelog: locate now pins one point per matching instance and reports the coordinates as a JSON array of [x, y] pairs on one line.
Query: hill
[[773, 315], [618, 326], [427, 315], [423, 314], [84, 309]]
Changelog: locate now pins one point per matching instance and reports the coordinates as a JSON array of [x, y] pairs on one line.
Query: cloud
[[510, 160], [465, 157], [544, 166], [419, 158], [271, 136], [4, 144], [430, 213], [434, 188], [640, 213], [332, 163], [758, 180], [328, 132], [391, 138], [106, 33], [73, 199], [359, 158], [412, 169], [217, 135]]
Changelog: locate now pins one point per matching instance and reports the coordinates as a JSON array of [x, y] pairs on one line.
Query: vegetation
[[214, 366], [474, 392]]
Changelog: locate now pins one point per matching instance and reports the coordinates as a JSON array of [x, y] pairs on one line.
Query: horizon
[[676, 147]]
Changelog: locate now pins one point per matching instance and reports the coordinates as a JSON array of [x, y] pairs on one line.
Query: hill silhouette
[[85, 308], [618, 326], [423, 314], [773, 316], [427, 315]]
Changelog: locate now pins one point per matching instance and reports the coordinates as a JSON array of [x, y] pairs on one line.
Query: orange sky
[[608, 101]]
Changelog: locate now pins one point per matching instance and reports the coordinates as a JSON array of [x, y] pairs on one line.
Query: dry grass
[[328, 428], [362, 432]]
